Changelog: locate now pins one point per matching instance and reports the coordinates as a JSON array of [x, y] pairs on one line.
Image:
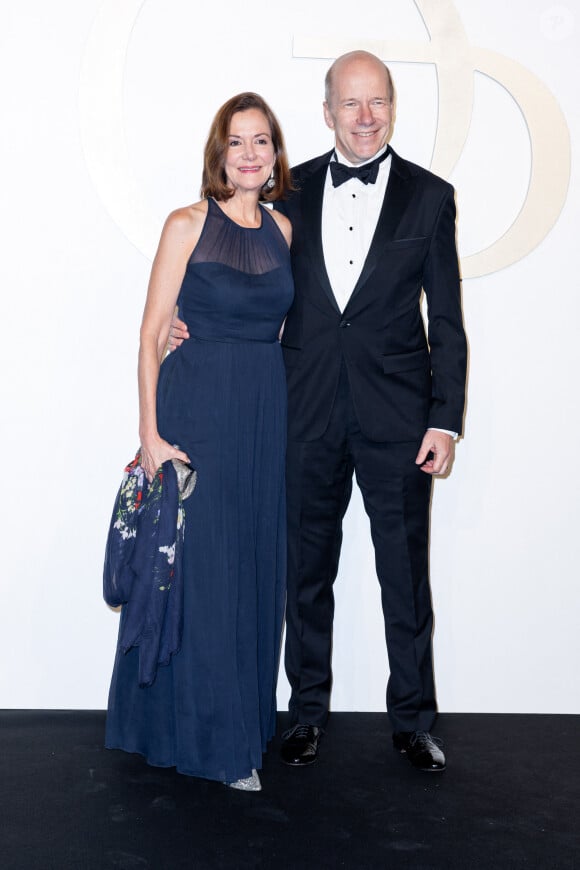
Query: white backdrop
[[105, 107]]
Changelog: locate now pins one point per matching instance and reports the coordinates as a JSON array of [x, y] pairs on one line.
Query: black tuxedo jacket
[[401, 382]]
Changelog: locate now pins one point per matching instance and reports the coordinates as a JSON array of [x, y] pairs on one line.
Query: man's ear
[[327, 116]]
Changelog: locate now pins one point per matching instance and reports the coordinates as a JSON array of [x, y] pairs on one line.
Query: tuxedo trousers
[[396, 496]]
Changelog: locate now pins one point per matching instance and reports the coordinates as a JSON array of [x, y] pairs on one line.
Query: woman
[[222, 398]]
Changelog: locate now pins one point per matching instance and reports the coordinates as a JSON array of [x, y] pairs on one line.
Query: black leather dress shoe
[[300, 745], [423, 751]]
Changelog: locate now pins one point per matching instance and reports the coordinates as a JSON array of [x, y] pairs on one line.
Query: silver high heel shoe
[[250, 783]]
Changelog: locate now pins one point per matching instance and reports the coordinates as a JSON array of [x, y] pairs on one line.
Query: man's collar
[[339, 158]]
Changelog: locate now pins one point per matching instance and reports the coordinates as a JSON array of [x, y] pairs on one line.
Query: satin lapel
[[398, 196], [311, 197]]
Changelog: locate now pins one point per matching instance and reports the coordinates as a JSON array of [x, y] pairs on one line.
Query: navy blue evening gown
[[222, 397]]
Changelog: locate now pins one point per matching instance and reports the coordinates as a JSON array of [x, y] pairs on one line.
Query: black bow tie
[[367, 173]]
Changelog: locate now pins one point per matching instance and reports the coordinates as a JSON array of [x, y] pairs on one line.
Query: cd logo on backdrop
[[455, 59]]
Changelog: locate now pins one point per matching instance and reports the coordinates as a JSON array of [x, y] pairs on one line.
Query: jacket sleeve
[[446, 335]]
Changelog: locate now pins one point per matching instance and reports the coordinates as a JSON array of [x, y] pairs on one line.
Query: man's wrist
[[446, 431]]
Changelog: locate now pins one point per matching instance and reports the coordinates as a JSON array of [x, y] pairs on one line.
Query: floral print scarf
[[142, 570]]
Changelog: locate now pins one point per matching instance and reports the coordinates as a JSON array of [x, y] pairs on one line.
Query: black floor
[[510, 799]]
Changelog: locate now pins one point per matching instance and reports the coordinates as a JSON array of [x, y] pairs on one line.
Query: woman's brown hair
[[214, 182]]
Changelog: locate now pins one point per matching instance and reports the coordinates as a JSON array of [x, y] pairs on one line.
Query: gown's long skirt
[[211, 711]]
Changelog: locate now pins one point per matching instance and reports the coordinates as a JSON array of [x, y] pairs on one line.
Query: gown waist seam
[[234, 340]]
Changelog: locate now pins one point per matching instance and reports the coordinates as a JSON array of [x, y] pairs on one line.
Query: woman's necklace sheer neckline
[[234, 222]]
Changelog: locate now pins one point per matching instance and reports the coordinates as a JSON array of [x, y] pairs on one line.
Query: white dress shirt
[[350, 214]]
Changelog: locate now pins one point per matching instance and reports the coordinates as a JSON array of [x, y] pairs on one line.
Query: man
[[367, 393]]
